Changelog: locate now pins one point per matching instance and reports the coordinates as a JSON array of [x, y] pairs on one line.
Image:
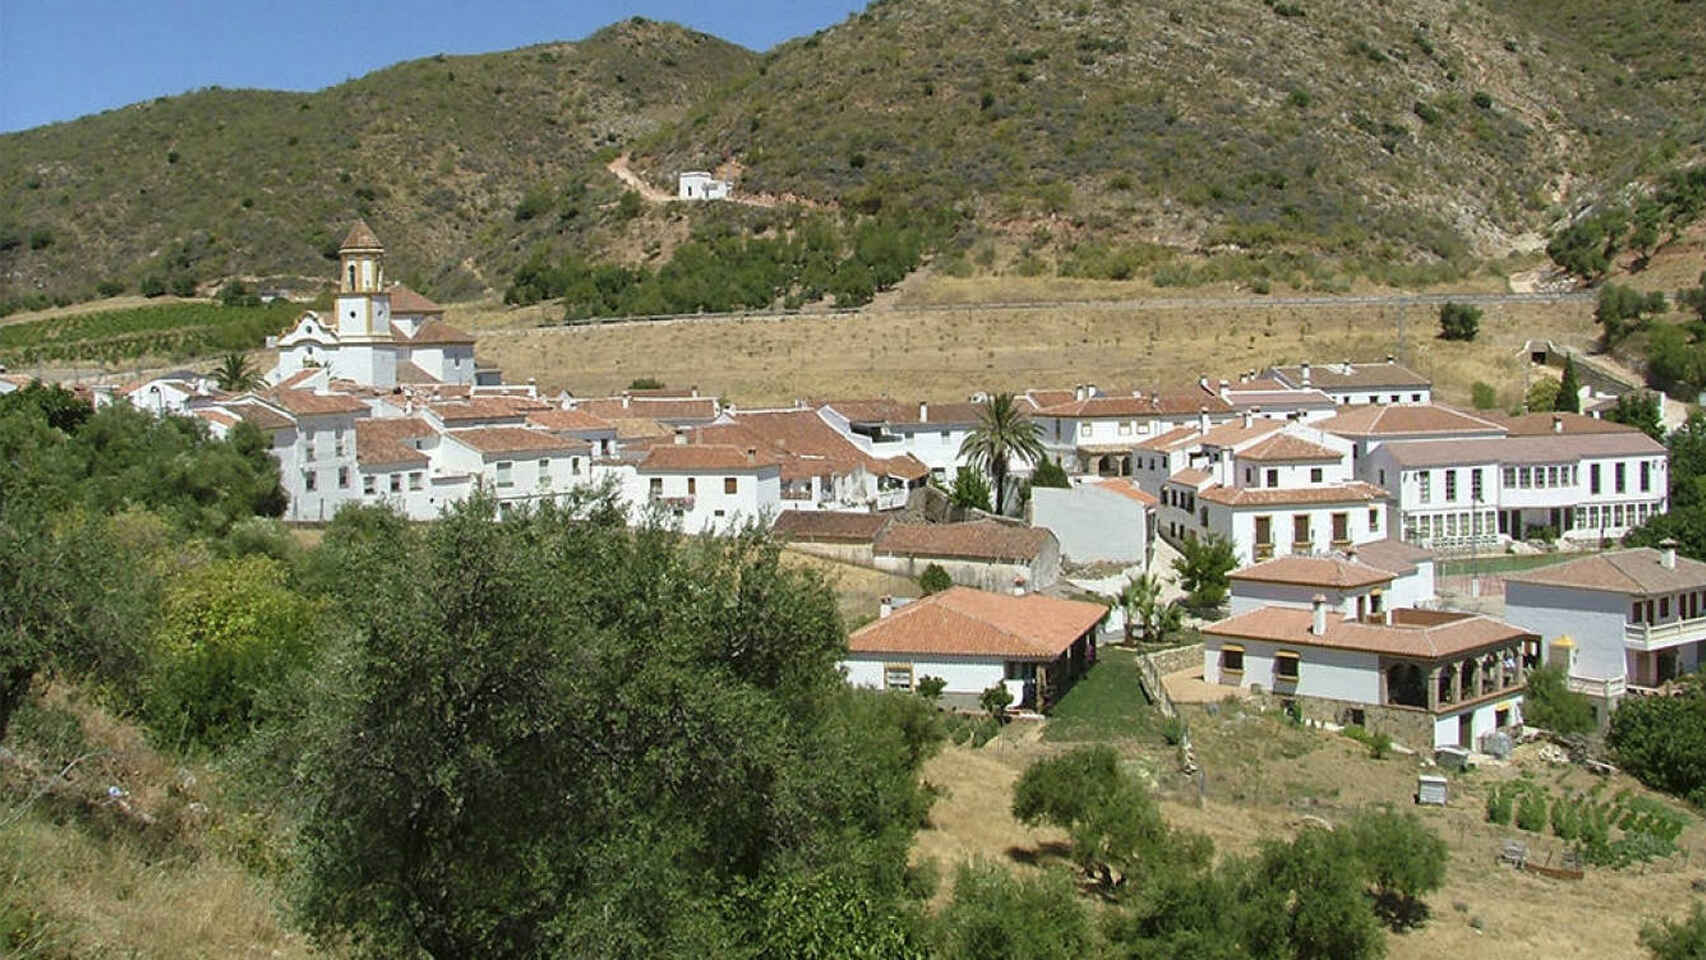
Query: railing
[[891, 499], [1264, 551], [1648, 636], [1606, 689]]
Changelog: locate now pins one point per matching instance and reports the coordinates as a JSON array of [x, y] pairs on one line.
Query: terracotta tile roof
[[386, 440], [408, 372], [1280, 399], [704, 457], [961, 621], [678, 411], [805, 445], [637, 429], [1392, 555], [1360, 376], [360, 237], [264, 417], [974, 540], [1373, 420], [824, 526], [1171, 440], [1638, 572], [1190, 477], [497, 440], [406, 301], [478, 408], [1555, 424], [1049, 398], [1148, 405], [1334, 572], [439, 332], [304, 403], [1355, 492], [1126, 488], [1234, 432], [1450, 636], [1526, 449], [1289, 446], [216, 415], [895, 412], [569, 420]]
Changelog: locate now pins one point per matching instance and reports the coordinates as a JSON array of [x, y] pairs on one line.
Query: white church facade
[[380, 335]]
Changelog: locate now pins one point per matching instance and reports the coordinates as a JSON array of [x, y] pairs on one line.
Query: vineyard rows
[[178, 331]]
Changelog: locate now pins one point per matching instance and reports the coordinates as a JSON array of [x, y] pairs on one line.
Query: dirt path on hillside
[[625, 173]]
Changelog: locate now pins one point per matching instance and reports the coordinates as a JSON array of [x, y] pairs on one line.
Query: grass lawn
[[1504, 564], [1105, 704]]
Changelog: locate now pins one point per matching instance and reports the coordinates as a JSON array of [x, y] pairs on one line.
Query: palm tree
[[1004, 431], [1146, 614], [235, 375]]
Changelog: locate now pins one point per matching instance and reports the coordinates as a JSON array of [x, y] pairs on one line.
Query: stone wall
[[1177, 658], [1410, 727]]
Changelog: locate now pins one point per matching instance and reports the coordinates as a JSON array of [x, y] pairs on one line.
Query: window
[[1664, 607], [717, 513], [1593, 478], [415, 480], [1125, 428], [1619, 478], [1248, 476], [1539, 478], [1019, 670], [1527, 478], [545, 473], [504, 469], [1475, 491], [1232, 659], [1425, 493], [308, 451], [1273, 478], [1341, 528], [1635, 612], [1300, 529], [396, 483], [1205, 516], [1374, 520], [1551, 476], [1383, 476], [898, 676], [367, 486], [1376, 602], [343, 478], [1415, 398], [692, 486], [1450, 485], [1395, 398], [1265, 530], [656, 487], [338, 442], [1510, 476], [1646, 476], [943, 435], [309, 481], [730, 485], [1285, 666], [1314, 474]]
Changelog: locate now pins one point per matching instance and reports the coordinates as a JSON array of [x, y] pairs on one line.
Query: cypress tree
[[1569, 390]]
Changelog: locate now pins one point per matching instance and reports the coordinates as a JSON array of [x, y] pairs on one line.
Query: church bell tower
[[364, 309]]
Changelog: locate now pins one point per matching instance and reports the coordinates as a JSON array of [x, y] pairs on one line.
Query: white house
[[1353, 590], [1099, 434], [986, 554], [380, 335], [314, 441], [1102, 521], [1637, 618], [707, 487], [931, 433], [700, 185], [1427, 678], [1036, 645], [1354, 384], [823, 467], [517, 464]]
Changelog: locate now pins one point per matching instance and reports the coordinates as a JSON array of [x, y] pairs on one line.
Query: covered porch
[[1104, 459], [1447, 684]]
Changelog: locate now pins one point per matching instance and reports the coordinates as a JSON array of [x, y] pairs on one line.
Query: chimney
[[923, 412], [1557, 423], [1667, 559], [624, 401], [1347, 367], [1306, 373], [1078, 392], [680, 438], [1318, 607], [1391, 359], [1090, 391], [1248, 417], [1351, 553], [1225, 388], [1018, 586], [751, 454], [1202, 381], [695, 390], [1202, 419], [885, 606]]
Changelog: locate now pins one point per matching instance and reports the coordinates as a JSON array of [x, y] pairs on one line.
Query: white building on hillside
[[1354, 384], [1097, 434], [706, 487], [700, 185]]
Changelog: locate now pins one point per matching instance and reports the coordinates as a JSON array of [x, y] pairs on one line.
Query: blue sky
[[61, 59]]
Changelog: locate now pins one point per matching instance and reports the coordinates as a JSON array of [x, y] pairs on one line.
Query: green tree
[[971, 491], [226, 632], [1305, 899], [1569, 388], [236, 293], [1049, 474], [1677, 940], [1004, 432], [1639, 408], [1147, 615], [1542, 394], [1484, 396], [545, 734], [235, 374], [1585, 248], [995, 914], [1548, 702], [1623, 310], [1401, 857], [1113, 820], [1662, 742], [645, 383], [1459, 321], [995, 700], [1202, 566], [1694, 298], [934, 579]]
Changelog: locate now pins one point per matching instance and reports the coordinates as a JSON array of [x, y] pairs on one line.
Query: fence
[[1149, 675]]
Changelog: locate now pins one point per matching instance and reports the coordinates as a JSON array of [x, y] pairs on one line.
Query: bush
[[996, 700], [1482, 99], [1380, 745], [1661, 741], [1484, 396], [153, 285], [1173, 731], [970, 491], [1681, 940], [930, 688], [1500, 805], [1459, 321], [1049, 474], [1549, 703], [934, 579], [110, 288], [1531, 810]]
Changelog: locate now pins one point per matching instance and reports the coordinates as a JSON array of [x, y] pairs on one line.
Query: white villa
[[1352, 384], [1626, 621], [700, 185], [1099, 434]]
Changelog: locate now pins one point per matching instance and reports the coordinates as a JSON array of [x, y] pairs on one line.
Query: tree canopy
[[1004, 432], [1203, 565]]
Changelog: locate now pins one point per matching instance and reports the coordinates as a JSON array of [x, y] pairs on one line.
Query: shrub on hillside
[[1459, 321]]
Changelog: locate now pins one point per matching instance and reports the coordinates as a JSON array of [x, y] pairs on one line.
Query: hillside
[[1422, 129], [246, 182]]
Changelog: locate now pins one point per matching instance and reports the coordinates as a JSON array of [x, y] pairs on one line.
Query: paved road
[[1145, 303]]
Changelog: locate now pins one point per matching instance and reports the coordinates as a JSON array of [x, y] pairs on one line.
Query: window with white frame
[[396, 483], [1424, 486], [367, 485], [505, 474], [544, 472], [897, 676], [415, 480]]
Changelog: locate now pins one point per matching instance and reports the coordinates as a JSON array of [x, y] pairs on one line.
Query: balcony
[[1647, 637], [891, 499], [1595, 687], [1264, 551], [674, 503]]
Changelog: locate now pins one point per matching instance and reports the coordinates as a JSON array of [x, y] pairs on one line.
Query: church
[[380, 336]]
